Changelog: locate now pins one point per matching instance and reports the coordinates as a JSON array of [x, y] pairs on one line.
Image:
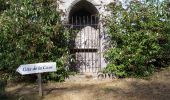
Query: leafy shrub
[[134, 35], [31, 32]]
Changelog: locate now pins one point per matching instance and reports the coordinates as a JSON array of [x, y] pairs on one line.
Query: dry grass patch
[[156, 87]]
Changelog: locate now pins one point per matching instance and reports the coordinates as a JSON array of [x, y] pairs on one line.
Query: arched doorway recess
[[85, 42]]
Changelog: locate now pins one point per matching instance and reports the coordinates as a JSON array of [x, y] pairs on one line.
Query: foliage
[[134, 35], [3, 5], [30, 32]]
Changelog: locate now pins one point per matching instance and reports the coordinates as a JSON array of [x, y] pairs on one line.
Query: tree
[[31, 32], [3, 5], [134, 35]]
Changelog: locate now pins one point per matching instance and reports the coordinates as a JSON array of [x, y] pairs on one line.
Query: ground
[[156, 87]]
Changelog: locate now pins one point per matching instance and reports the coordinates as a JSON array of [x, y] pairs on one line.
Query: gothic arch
[[90, 6]]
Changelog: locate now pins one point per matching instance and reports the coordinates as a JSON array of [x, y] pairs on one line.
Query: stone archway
[[85, 44], [88, 4]]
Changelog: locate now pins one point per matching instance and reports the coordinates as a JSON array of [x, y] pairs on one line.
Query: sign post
[[40, 85], [37, 68]]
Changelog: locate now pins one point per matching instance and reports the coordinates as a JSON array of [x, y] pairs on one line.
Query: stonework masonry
[[66, 5], [93, 6]]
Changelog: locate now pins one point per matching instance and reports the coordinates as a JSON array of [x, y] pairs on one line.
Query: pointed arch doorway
[[85, 38]]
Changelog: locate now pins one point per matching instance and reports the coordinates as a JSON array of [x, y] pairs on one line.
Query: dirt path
[[156, 87]]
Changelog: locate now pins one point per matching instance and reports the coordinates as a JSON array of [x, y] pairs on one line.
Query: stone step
[[85, 77], [82, 77]]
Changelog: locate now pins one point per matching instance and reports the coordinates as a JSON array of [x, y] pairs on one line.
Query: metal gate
[[85, 44]]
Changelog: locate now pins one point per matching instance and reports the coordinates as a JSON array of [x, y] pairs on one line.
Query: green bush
[[134, 35], [2, 87], [31, 32]]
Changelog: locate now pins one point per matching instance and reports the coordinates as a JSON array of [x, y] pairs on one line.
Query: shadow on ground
[[156, 87]]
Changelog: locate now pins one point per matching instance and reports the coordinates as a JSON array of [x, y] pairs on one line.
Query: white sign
[[37, 68]]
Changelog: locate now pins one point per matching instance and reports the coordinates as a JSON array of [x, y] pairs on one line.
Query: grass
[[156, 87]]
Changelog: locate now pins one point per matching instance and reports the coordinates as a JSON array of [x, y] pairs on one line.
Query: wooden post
[[40, 85]]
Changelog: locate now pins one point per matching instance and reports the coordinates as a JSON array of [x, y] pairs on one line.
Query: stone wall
[[66, 7]]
